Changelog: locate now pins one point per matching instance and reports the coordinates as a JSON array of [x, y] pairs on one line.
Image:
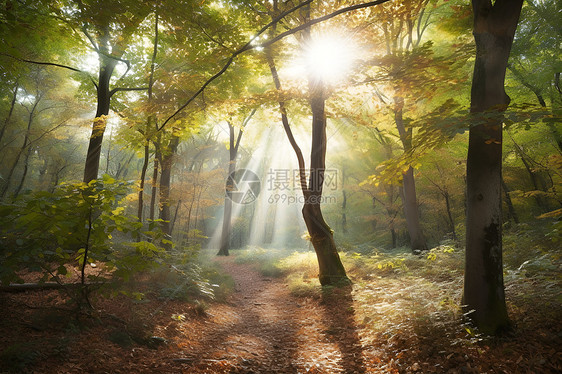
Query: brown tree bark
[[510, 208], [148, 121], [26, 144], [331, 270], [107, 65], [167, 161], [409, 199], [227, 217], [10, 112], [484, 296], [142, 180], [154, 189]]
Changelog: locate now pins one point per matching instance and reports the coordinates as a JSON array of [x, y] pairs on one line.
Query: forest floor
[[262, 327]]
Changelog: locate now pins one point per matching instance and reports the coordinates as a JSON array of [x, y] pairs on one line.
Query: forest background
[[121, 122]]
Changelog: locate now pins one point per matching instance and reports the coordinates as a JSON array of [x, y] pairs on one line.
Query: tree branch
[[249, 46], [320, 19], [43, 63], [246, 47], [117, 89], [51, 64]]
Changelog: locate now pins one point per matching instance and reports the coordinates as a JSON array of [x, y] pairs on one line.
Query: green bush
[[71, 228]]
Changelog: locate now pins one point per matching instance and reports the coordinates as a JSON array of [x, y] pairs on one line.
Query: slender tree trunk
[[189, 211], [552, 126], [108, 156], [233, 153], [343, 212], [510, 208], [154, 189], [410, 204], [227, 216], [173, 222], [374, 205], [536, 179], [195, 224], [25, 170], [26, 141], [331, 270], [148, 121], [447, 198], [9, 116], [484, 295], [167, 162], [98, 128], [142, 180]]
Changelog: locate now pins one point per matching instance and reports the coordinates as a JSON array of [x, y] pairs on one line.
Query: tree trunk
[[410, 204], [9, 116], [233, 153], [189, 211], [449, 214], [98, 128], [142, 181], [536, 179], [154, 189], [148, 121], [510, 207], [173, 222], [343, 212], [411, 212], [25, 144], [227, 217], [331, 270], [25, 170], [167, 161], [484, 297]]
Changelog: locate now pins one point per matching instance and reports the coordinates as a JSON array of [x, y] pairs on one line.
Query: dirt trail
[[263, 329]]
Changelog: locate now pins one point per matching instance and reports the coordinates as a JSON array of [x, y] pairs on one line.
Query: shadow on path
[[255, 333], [337, 304]]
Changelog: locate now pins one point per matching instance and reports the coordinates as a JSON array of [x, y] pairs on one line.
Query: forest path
[[264, 329]]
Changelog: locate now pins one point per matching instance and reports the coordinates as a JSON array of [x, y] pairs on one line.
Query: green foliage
[[59, 234], [528, 250], [188, 279]]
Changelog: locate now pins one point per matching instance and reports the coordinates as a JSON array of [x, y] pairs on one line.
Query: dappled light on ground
[[401, 315], [265, 329]]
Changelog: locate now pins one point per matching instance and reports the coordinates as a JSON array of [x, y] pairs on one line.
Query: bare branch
[[52, 64], [43, 63]]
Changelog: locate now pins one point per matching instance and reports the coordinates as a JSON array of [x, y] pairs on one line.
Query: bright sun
[[330, 57]]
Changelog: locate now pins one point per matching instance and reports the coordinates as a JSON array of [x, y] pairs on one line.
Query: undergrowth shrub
[[187, 279], [69, 233]]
